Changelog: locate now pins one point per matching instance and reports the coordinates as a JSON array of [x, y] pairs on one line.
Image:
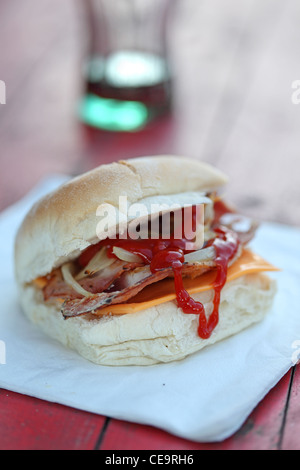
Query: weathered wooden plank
[[30, 424], [291, 434]]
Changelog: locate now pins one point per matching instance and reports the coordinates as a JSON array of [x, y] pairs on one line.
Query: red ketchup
[[226, 245], [161, 254]]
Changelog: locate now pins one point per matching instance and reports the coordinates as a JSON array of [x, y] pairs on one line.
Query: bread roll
[[64, 223], [159, 334]]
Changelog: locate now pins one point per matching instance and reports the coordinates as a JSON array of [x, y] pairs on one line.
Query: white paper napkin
[[205, 397]]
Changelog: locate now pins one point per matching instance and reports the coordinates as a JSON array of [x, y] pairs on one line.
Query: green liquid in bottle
[[125, 91]]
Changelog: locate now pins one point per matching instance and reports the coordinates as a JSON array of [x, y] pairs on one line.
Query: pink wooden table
[[234, 68]]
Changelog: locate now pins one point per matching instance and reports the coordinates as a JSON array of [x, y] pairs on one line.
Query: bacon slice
[[58, 288], [131, 284], [227, 216]]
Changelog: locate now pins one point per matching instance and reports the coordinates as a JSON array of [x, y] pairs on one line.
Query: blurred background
[[232, 68]]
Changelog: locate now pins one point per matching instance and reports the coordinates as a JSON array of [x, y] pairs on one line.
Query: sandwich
[[141, 262]]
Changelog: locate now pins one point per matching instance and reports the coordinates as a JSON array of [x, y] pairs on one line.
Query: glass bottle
[[127, 72]]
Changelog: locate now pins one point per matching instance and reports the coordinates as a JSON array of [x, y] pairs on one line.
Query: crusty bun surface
[[64, 223], [156, 335]]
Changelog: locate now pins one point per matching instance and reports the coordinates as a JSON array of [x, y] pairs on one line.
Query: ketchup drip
[[161, 254], [226, 245]]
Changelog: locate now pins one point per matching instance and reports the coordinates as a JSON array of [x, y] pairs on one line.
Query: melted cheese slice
[[164, 291]]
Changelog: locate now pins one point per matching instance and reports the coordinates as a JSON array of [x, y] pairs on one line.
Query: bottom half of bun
[[158, 334]]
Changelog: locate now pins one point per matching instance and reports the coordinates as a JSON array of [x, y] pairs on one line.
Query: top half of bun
[[63, 223]]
